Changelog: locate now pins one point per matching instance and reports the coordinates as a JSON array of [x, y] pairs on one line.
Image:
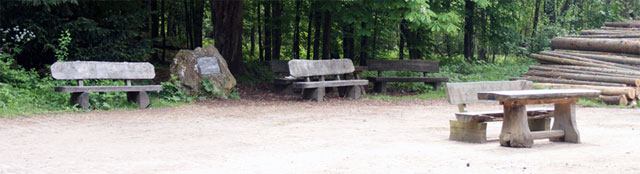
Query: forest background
[[472, 39]]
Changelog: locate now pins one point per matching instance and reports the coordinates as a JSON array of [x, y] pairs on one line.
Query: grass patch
[[590, 102]]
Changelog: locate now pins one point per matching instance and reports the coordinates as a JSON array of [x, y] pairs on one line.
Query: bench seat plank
[[107, 88], [489, 116], [335, 83], [408, 79]]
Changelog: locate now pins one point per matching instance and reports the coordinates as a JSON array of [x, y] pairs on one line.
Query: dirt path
[[362, 136]]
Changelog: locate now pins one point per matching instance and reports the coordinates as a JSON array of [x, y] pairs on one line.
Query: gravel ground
[[338, 136]]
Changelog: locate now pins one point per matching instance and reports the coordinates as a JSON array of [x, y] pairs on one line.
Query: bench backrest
[[403, 65], [78, 70], [464, 93], [279, 66], [306, 68]]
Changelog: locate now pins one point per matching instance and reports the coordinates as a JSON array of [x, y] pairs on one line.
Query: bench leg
[[140, 97], [515, 127], [80, 98], [380, 87], [565, 119], [287, 89], [354, 92], [472, 132], [540, 124], [316, 94]]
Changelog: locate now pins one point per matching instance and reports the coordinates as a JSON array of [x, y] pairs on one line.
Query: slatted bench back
[[279, 66], [403, 65], [464, 93], [306, 68], [78, 70]]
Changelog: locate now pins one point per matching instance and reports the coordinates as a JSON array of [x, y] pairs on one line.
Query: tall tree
[[535, 18], [316, 36], [326, 36], [296, 33], [277, 29], [309, 24], [364, 46], [260, 46], [198, 15], [155, 26], [267, 31], [226, 16], [347, 41], [468, 30]]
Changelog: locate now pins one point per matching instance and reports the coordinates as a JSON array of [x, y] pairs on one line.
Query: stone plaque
[[208, 65]]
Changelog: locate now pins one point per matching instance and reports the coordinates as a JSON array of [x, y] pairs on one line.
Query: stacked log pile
[[607, 59]]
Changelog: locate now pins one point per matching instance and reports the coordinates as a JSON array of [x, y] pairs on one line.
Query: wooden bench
[[472, 126], [283, 82], [320, 68], [424, 66], [81, 70]]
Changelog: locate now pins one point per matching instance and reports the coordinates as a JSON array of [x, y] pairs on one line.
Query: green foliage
[[172, 92], [256, 73], [212, 91], [62, 51]]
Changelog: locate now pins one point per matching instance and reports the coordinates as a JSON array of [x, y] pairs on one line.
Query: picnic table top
[[537, 94]]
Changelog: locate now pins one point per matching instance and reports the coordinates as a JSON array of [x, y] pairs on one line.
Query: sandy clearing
[[344, 136]]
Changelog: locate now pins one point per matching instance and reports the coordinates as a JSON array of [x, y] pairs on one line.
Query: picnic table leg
[[139, 97], [515, 127], [380, 87], [80, 98], [565, 119]]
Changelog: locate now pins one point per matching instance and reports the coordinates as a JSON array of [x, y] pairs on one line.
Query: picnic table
[[515, 129]]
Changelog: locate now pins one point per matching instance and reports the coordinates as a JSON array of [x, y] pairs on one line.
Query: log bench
[[85, 70], [283, 82], [423, 66], [472, 126], [315, 90]]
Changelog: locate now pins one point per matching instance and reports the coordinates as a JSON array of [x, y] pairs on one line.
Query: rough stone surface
[[185, 67]]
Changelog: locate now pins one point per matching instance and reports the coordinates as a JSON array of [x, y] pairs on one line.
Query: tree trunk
[[162, 30], [609, 32], [565, 61], [567, 81], [402, 41], [364, 47], [267, 31], [260, 42], [561, 70], [468, 28], [348, 42], [309, 24], [155, 26], [614, 99], [326, 33], [627, 24], [252, 39], [374, 49], [227, 32], [277, 29], [586, 77], [187, 23], [596, 69], [604, 45], [316, 36], [296, 34], [535, 18], [604, 90], [198, 14], [603, 57], [583, 59]]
